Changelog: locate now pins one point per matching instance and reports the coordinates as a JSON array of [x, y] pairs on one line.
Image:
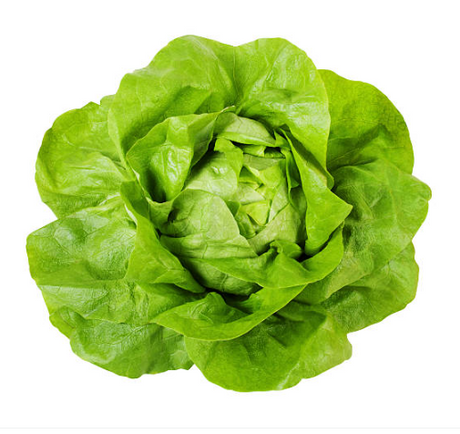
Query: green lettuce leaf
[[125, 349], [78, 165], [298, 342], [377, 295]]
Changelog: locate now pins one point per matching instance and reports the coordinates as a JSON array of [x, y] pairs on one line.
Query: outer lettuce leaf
[[122, 348], [78, 165], [370, 157], [388, 208], [365, 126], [298, 342], [79, 262], [93, 244], [374, 297]]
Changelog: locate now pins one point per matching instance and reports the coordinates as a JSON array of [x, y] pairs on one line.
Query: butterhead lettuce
[[229, 207]]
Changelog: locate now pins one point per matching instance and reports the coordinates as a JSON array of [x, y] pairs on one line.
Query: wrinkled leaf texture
[[229, 207]]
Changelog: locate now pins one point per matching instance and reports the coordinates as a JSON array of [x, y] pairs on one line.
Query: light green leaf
[[365, 125], [78, 165], [124, 349], [374, 297], [298, 342], [370, 157], [93, 244], [386, 201]]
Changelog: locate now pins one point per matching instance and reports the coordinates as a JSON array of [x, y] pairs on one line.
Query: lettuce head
[[229, 207]]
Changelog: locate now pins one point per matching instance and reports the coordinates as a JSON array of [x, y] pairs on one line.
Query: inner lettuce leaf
[[229, 207]]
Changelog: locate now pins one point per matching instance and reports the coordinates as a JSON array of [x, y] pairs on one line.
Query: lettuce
[[229, 207]]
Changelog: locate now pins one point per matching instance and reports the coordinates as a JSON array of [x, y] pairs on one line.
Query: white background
[[58, 55]]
